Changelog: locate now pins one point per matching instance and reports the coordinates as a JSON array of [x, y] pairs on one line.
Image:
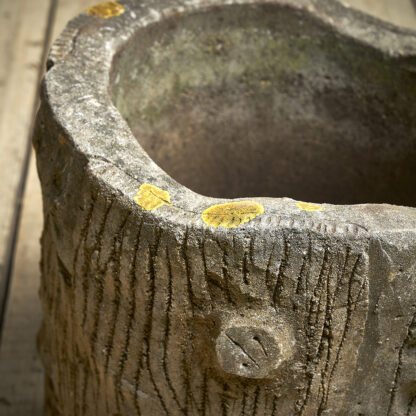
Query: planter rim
[[76, 89]]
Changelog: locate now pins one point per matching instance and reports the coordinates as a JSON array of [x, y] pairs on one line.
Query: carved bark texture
[[133, 309], [150, 313], [129, 315], [137, 315]]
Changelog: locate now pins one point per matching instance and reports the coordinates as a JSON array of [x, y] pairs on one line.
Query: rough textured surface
[[303, 309]]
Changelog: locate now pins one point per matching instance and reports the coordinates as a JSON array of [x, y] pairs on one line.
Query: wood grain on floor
[[23, 26], [21, 376], [399, 12]]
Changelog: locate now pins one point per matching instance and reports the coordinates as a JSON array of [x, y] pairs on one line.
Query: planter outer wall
[[153, 312]]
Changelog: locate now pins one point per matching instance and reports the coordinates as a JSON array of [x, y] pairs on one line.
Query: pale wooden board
[[21, 379], [399, 12], [22, 29], [21, 376]]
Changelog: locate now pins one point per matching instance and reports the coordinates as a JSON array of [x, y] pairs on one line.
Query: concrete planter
[[161, 301]]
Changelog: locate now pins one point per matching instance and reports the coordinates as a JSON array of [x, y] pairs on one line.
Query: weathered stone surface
[[156, 303]]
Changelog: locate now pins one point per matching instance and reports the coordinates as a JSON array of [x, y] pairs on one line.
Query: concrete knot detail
[[252, 350]]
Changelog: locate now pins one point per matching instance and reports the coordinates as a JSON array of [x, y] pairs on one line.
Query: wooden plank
[[22, 31], [21, 374], [399, 12]]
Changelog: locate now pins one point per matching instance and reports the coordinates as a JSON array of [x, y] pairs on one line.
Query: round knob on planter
[[252, 351]]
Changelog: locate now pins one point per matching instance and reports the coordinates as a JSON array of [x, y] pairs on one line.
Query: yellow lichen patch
[[106, 9], [306, 206], [151, 197], [232, 214]]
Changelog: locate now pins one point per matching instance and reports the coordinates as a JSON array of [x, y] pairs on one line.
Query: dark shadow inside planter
[[248, 101]]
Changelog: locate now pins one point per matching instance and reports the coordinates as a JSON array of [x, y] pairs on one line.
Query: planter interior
[[246, 101]]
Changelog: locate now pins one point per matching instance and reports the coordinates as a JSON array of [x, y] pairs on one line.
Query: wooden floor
[[26, 28]]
